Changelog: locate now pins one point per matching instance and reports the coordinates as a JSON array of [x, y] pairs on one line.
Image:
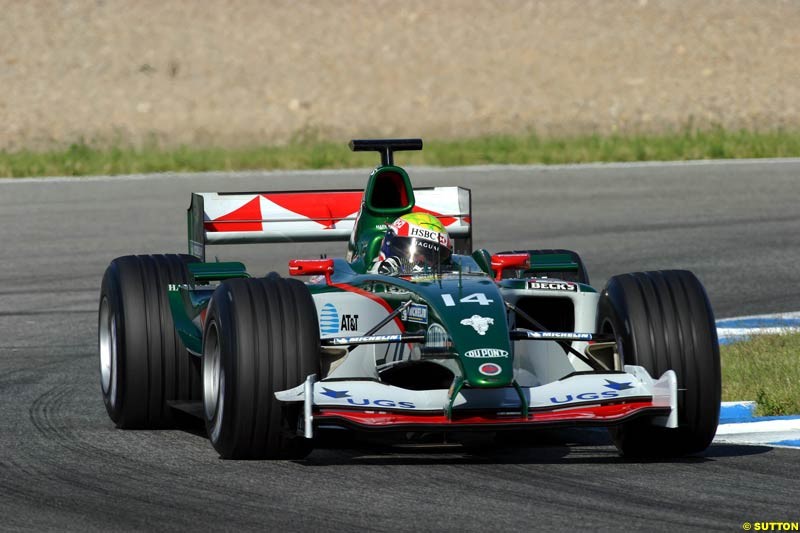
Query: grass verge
[[766, 369], [84, 159]]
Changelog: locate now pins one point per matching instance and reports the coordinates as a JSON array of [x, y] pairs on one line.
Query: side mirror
[[501, 262], [311, 267]]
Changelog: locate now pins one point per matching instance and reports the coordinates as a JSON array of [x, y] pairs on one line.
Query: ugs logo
[[484, 353], [585, 396]]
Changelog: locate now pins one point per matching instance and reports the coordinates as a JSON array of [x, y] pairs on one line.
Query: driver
[[414, 243]]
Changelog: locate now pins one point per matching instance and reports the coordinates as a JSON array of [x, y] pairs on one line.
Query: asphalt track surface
[[63, 466]]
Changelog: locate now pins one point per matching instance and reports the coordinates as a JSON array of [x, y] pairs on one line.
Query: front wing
[[580, 399]]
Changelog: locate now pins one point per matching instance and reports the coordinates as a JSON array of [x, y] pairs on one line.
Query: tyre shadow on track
[[566, 446], [544, 447]]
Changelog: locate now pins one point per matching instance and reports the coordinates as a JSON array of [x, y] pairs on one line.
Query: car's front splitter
[[584, 398], [585, 416]]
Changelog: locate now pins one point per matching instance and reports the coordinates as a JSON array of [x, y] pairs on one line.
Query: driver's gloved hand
[[389, 267]]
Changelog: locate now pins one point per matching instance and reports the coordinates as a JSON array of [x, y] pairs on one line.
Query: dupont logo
[[486, 353], [489, 369]]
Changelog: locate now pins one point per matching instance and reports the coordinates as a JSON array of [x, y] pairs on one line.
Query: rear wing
[[309, 216]]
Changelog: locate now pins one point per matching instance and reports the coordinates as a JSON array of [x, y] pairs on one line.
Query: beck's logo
[[479, 323], [552, 285]]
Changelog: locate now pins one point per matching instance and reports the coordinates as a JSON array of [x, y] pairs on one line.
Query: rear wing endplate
[[307, 216]]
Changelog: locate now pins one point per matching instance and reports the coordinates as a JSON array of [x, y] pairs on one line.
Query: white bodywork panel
[[269, 217], [582, 389], [539, 362], [352, 314], [535, 362]]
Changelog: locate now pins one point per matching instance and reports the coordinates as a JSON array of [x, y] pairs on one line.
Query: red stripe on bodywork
[[376, 299], [326, 208], [595, 415], [246, 218]]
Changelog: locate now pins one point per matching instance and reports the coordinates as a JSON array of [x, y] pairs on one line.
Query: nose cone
[[475, 316]]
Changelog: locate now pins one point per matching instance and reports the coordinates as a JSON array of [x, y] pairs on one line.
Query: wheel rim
[[213, 377], [608, 327], [107, 332]]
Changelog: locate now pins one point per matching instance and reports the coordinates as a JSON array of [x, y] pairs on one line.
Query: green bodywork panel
[[465, 301], [205, 272], [451, 299], [484, 260], [375, 216], [189, 302], [552, 263]]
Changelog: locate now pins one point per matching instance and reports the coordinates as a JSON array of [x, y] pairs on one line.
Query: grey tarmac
[[64, 467]]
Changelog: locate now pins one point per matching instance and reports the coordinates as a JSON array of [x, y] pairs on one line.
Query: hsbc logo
[[424, 233]]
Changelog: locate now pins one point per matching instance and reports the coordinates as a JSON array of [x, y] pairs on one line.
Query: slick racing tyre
[[663, 321], [143, 363], [261, 336], [581, 276]]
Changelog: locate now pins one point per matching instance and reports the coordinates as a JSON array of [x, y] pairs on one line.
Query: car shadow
[[563, 446], [535, 447]]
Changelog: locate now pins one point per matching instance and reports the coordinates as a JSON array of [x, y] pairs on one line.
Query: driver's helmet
[[418, 241]]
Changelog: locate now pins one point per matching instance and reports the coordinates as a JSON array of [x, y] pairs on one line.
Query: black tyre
[[143, 363], [261, 336], [581, 276], [663, 321]]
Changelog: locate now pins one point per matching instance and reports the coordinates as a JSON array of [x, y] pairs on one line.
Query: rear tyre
[[143, 363], [261, 336], [581, 276], [663, 321]]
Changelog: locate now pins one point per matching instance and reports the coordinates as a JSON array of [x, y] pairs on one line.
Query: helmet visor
[[415, 254]]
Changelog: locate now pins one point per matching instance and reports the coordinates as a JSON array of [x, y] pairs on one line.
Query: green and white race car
[[412, 332]]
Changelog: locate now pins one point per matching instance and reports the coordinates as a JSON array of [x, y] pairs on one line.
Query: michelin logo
[[485, 353], [415, 313], [559, 335]]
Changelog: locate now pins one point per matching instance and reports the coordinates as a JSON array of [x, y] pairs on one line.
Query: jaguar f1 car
[[487, 342]]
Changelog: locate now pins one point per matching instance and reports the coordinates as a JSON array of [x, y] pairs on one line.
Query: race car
[[446, 340]]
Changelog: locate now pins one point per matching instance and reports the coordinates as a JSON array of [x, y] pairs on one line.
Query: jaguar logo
[[481, 324]]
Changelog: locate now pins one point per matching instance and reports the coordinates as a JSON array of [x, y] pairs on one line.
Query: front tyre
[[261, 336], [663, 321], [143, 363]]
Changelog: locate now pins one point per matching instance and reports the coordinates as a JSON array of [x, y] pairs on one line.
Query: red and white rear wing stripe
[[305, 216]]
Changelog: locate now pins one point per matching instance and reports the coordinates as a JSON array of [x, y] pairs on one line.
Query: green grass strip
[[766, 369], [85, 159]]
